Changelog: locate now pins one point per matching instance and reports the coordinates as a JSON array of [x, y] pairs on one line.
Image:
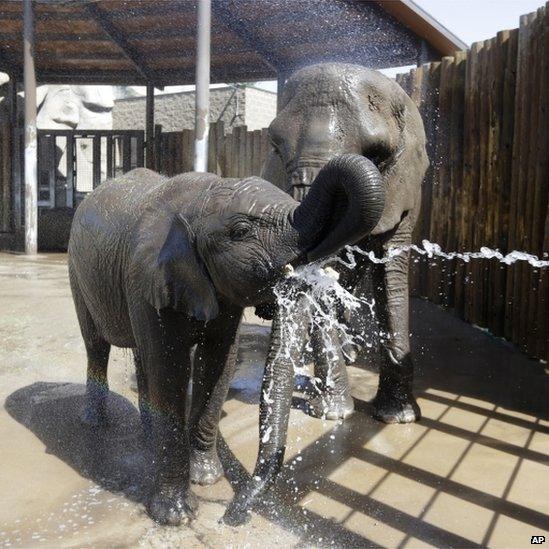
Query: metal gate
[[71, 163]]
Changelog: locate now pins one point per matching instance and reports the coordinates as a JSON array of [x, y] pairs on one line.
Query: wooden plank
[[471, 167], [540, 235], [248, 154], [126, 153], [457, 181], [212, 153], [221, 149], [522, 160], [265, 145], [429, 100], [534, 215], [157, 146], [140, 150], [96, 161], [506, 86], [480, 266], [439, 215], [257, 158], [110, 157], [447, 218], [493, 92]]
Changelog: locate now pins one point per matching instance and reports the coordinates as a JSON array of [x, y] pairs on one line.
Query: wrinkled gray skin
[[326, 110], [161, 265]]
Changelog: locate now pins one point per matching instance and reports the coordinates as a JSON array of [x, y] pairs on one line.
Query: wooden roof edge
[[424, 25]]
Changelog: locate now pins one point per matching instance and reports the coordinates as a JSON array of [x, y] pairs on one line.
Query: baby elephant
[[160, 265]]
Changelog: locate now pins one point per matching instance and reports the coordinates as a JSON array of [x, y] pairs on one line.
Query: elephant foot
[[205, 467], [172, 506], [332, 407], [396, 409], [94, 415], [236, 515]]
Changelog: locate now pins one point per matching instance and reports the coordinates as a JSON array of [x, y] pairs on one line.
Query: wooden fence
[[486, 114], [237, 154]]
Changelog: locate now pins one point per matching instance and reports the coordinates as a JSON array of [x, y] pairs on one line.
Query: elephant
[[165, 266], [326, 110]]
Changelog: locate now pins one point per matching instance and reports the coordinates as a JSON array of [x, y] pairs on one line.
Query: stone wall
[[239, 106]]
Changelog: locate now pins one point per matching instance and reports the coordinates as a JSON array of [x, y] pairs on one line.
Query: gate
[[71, 163]]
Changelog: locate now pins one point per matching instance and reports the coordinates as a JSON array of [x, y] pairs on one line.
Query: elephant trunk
[[344, 204], [274, 411]]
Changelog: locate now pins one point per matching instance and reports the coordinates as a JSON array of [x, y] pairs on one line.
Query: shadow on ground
[[460, 370], [114, 456]]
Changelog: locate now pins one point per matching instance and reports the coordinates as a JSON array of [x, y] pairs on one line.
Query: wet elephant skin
[[165, 267]]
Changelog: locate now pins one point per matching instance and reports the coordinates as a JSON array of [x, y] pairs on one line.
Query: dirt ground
[[472, 472]]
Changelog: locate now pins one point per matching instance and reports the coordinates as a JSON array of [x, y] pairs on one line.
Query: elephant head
[[338, 108], [233, 239]]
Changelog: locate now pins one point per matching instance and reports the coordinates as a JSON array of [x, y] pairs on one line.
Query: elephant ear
[[274, 171], [167, 268]]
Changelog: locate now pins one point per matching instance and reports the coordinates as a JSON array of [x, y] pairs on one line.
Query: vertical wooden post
[[31, 171], [202, 81], [149, 127]]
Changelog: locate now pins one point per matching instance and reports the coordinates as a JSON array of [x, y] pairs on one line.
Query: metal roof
[[152, 41]]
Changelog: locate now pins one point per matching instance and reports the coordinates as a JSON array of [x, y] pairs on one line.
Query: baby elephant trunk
[[274, 411]]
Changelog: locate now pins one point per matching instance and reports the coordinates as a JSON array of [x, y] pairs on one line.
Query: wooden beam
[[121, 41], [226, 15]]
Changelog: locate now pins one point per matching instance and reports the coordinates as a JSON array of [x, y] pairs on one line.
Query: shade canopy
[[150, 41]]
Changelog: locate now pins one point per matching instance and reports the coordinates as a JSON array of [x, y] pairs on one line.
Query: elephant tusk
[[288, 270], [332, 273]]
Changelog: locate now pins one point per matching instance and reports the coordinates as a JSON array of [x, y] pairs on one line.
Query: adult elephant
[[326, 110], [160, 265]]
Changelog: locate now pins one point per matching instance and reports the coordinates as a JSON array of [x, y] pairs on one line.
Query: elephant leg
[[163, 349], [394, 401], [143, 395], [334, 400], [97, 350], [213, 369]]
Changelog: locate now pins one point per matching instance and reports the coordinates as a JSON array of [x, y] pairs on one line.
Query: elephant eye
[[240, 230]]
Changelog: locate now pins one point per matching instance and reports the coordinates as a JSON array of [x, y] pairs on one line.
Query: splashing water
[[308, 297], [434, 250]]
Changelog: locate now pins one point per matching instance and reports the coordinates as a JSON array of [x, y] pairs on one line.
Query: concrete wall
[[260, 108], [175, 111]]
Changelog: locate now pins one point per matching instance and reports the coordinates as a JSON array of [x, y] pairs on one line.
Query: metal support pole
[[31, 172], [202, 107], [149, 127]]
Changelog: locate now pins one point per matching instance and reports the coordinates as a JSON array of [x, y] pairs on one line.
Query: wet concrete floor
[[473, 472]]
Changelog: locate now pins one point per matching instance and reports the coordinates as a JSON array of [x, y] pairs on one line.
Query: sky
[[469, 20]]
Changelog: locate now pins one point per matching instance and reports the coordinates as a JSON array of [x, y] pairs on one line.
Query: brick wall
[[175, 111]]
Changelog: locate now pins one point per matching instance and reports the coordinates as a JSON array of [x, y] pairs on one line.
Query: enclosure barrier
[[486, 118], [237, 154]]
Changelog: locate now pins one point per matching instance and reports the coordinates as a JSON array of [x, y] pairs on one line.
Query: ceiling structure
[[148, 41]]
